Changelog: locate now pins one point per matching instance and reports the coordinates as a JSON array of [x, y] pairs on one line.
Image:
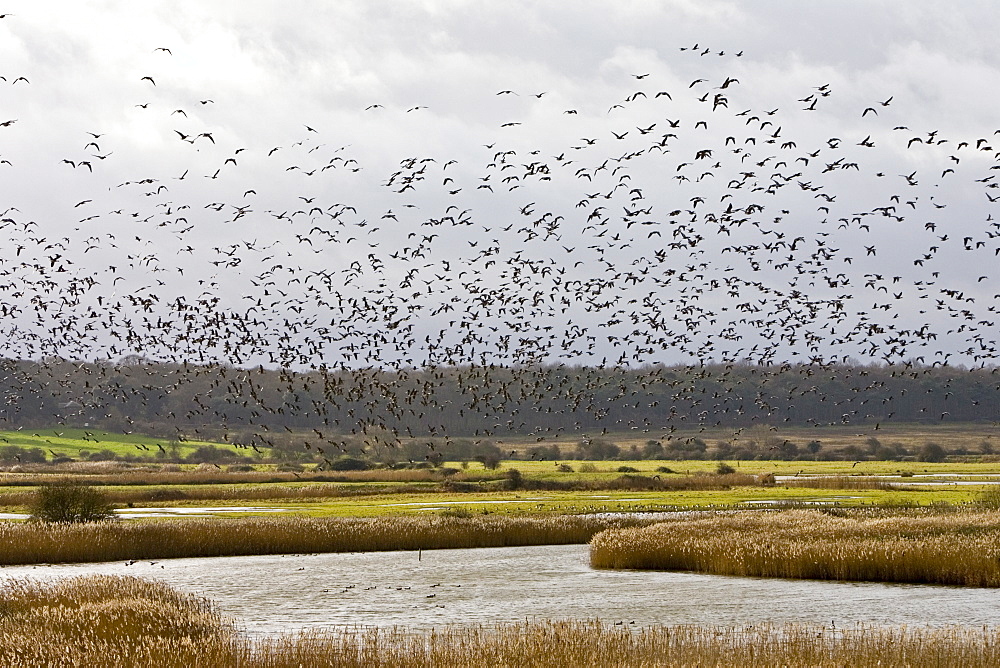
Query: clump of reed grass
[[30, 543], [104, 620], [261, 492], [961, 548], [123, 621], [158, 487], [217, 476], [841, 482]]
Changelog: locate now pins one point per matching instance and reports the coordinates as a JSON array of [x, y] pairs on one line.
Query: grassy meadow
[[972, 437], [71, 442], [367, 496], [953, 548], [104, 620], [541, 487]]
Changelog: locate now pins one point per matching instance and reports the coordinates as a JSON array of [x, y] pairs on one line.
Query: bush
[[347, 463], [724, 469], [70, 502], [626, 469], [931, 452], [491, 461]]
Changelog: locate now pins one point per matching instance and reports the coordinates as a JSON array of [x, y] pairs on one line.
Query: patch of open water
[[488, 585]]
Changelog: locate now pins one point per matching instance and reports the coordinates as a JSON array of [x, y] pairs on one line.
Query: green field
[[469, 487], [71, 442], [417, 500], [968, 436]]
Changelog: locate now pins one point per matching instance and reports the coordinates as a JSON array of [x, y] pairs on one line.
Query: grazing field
[[954, 548], [103, 620], [71, 442], [504, 491], [978, 439]]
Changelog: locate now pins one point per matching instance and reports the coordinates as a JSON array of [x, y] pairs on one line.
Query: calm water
[[281, 593]]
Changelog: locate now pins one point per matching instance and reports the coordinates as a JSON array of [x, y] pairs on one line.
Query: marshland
[[510, 333], [123, 620], [630, 543]]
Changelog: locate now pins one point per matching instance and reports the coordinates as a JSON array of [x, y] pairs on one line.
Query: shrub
[[724, 469], [627, 469], [347, 463], [490, 461], [69, 502], [931, 452]]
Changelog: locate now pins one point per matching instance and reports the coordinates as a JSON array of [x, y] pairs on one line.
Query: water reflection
[[279, 593]]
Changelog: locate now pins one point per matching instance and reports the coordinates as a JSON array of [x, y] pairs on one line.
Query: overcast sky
[[155, 222]]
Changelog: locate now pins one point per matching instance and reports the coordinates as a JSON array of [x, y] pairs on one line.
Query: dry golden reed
[[840, 482], [32, 543], [954, 548], [137, 487], [145, 476], [212, 492], [121, 621]]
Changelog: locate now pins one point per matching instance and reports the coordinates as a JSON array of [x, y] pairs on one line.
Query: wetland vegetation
[[954, 548], [102, 620], [31, 543]]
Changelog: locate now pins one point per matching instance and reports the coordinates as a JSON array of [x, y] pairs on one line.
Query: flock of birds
[[668, 225]]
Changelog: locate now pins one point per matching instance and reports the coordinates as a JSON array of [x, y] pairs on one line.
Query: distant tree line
[[383, 413]]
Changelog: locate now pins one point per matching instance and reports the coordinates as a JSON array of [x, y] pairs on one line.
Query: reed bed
[[221, 477], [842, 482], [172, 493], [959, 548], [258, 486], [696, 482], [123, 621], [35, 542]]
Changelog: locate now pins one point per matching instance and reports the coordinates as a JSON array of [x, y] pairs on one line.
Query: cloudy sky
[[404, 182]]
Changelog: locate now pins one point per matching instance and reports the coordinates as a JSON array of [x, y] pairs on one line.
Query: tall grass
[[841, 482], [112, 621], [33, 543], [169, 493], [222, 477], [121, 621], [157, 487], [960, 548]]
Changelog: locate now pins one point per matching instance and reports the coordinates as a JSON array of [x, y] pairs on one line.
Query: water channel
[[488, 585]]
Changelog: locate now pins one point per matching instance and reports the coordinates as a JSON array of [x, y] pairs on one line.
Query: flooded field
[[487, 585]]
